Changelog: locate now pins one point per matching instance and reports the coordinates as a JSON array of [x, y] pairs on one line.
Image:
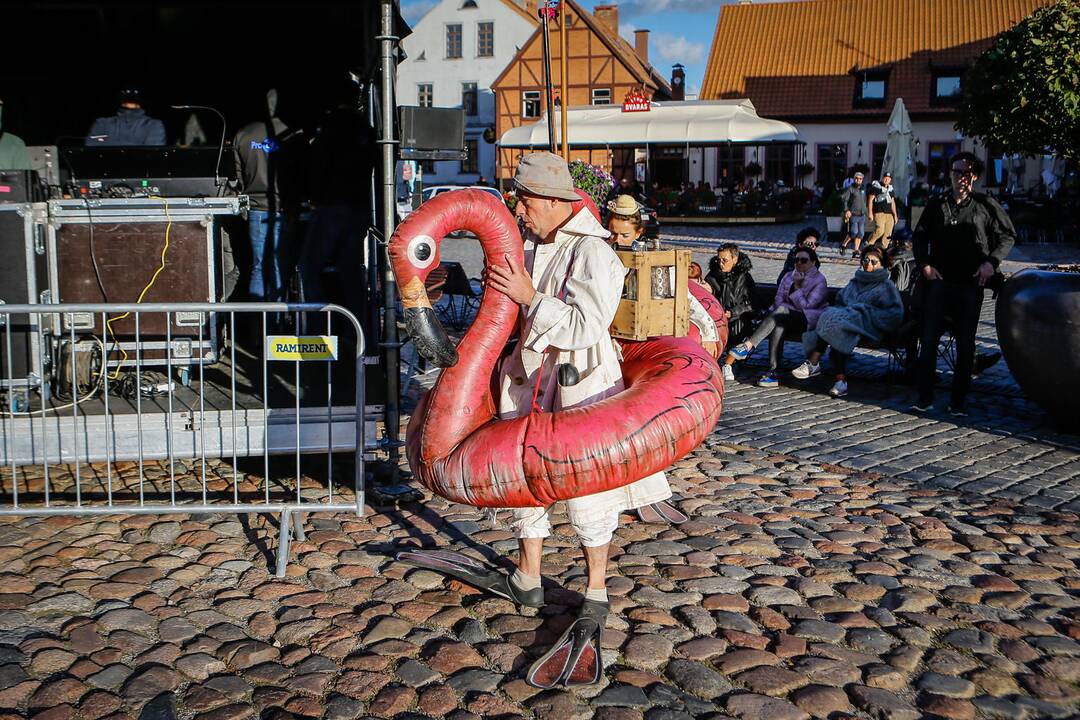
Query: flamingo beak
[[432, 342], [422, 324]]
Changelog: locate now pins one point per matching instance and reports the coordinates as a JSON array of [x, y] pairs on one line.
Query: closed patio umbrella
[[899, 154]]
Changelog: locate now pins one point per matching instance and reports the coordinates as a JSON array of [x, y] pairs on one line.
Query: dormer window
[[871, 88], [947, 86]]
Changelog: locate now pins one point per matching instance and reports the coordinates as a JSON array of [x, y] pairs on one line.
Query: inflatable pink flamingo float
[[458, 448]]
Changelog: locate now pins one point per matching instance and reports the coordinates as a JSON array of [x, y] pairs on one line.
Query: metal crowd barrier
[[115, 443]]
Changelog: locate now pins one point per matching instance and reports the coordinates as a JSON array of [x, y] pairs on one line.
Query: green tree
[[1023, 94]]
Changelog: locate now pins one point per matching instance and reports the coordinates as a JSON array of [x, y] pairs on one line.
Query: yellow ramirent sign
[[301, 347]]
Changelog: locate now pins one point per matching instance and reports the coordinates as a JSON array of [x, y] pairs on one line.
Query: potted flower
[[511, 199], [594, 180], [752, 170], [803, 169], [859, 168]]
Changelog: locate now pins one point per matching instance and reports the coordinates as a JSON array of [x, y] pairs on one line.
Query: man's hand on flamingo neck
[[513, 281]]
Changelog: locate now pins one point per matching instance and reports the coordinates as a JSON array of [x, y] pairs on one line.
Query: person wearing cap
[[854, 199], [569, 290], [129, 126], [627, 231], [882, 201]]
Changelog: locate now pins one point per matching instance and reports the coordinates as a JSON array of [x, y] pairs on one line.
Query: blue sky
[[680, 30]]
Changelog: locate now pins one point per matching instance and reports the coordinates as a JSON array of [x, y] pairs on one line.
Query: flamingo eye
[[421, 251]]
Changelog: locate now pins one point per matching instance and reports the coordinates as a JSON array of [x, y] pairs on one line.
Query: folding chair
[[462, 298]]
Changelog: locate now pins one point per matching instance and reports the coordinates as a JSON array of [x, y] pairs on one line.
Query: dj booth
[[100, 236]]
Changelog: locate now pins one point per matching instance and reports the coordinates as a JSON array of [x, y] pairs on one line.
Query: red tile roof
[[801, 59]]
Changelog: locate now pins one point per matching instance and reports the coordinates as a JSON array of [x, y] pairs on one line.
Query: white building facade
[[455, 52]]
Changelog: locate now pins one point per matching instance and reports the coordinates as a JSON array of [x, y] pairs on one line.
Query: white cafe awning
[[678, 123]]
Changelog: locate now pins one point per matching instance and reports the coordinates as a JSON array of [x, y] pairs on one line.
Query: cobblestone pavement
[[1005, 447], [845, 559], [798, 589]]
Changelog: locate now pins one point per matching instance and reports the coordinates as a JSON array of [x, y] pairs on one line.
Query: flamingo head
[[414, 255]]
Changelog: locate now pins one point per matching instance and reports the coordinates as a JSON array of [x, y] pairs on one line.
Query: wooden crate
[[642, 315]]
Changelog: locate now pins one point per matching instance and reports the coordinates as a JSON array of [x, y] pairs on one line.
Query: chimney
[[608, 15], [678, 82], [641, 45]]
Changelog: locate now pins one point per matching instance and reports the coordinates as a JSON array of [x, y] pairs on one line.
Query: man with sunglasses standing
[[960, 242]]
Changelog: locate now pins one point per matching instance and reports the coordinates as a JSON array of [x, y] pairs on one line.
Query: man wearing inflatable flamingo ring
[[569, 289]]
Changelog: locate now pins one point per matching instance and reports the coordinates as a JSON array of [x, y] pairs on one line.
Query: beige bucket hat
[[547, 175], [624, 205]]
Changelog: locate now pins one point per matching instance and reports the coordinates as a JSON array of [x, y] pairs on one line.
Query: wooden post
[[563, 60]]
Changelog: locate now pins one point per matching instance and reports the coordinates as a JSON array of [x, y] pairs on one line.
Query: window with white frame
[[425, 94], [453, 40], [485, 39], [530, 104], [601, 96]]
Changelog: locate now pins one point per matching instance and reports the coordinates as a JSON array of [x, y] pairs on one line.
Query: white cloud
[[676, 49], [413, 10], [665, 46]]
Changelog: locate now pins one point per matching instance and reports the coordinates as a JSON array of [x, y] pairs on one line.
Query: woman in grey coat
[[868, 307]]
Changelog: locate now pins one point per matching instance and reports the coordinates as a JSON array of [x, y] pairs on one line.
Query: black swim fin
[[662, 512], [473, 572], [575, 657]]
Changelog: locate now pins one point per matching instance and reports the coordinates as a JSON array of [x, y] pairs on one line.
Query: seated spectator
[[700, 290], [801, 296], [866, 309], [687, 199], [706, 196], [731, 283], [626, 228], [808, 237]]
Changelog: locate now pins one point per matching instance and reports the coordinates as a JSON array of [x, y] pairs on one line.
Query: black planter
[[1038, 325]]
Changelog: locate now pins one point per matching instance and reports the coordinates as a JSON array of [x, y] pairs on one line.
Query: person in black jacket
[[960, 241], [731, 283], [130, 126], [808, 237]]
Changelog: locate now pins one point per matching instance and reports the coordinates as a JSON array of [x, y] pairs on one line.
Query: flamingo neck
[[464, 390]]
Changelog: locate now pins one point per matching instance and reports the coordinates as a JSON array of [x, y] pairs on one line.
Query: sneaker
[[843, 250], [922, 406], [984, 362], [806, 370], [740, 352], [728, 373], [768, 380], [839, 389], [855, 254], [957, 411]]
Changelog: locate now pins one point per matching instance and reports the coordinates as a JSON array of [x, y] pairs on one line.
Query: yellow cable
[[109, 322]]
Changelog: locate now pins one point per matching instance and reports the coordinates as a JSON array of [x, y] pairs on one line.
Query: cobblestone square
[[844, 558]]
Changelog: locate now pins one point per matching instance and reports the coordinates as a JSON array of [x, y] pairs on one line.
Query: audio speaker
[[432, 129]]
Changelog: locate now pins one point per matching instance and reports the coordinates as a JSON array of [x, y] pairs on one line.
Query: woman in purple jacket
[[800, 299]]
